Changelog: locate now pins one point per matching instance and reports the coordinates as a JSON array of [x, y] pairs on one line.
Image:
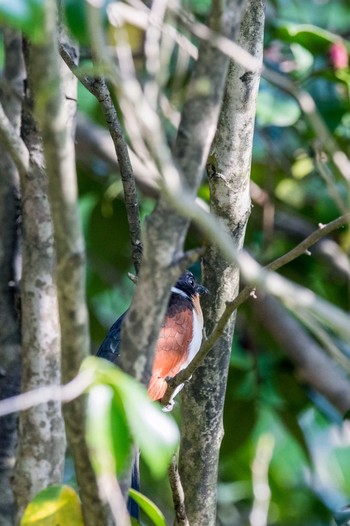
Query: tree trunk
[[229, 171], [41, 449], [55, 112], [10, 351]]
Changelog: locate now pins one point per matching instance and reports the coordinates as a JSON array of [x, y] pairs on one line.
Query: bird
[[179, 339]]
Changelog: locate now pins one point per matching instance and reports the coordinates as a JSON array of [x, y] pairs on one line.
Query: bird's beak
[[201, 290]]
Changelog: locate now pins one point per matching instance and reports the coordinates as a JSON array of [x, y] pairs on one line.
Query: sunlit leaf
[[291, 192], [55, 505], [153, 431], [107, 431], [302, 166], [151, 510]]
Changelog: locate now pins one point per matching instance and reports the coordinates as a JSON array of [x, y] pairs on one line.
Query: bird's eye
[[191, 281]]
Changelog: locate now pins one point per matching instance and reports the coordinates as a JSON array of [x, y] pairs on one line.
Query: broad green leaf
[[107, 432], [313, 38], [25, 15], [151, 510], [152, 430], [55, 505]]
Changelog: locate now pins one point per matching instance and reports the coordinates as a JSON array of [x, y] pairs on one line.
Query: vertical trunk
[[41, 449], [9, 257], [229, 171], [55, 111]]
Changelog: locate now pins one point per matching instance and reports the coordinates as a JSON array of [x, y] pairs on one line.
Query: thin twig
[[99, 89], [177, 493], [42, 395], [327, 176], [247, 292]]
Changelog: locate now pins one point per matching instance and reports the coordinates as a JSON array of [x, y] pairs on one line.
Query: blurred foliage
[[54, 505], [120, 414], [310, 465], [309, 474]]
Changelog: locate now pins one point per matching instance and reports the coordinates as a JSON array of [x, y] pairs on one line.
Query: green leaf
[[107, 431], [313, 38], [54, 505], [151, 510], [152, 430], [290, 192], [274, 108], [75, 15], [25, 15]]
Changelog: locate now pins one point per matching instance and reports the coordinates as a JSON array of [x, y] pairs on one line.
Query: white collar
[[175, 290]]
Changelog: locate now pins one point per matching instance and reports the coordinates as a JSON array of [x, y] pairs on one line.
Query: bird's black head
[[188, 284]]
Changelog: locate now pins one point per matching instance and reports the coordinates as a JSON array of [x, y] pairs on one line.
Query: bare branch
[[245, 294], [59, 393], [178, 494], [101, 92], [16, 147], [93, 141], [99, 89], [228, 47]]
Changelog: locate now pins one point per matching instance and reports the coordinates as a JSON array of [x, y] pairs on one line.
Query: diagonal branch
[[98, 87], [16, 147], [246, 293]]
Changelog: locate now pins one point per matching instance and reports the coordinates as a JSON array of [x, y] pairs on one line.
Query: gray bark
[[165, 229], [10, 355], [54, 111], [41, 448], [229, 171]]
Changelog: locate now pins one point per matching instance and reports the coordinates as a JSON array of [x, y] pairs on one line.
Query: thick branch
[[41, 448], [10, 337], [229, 174]]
